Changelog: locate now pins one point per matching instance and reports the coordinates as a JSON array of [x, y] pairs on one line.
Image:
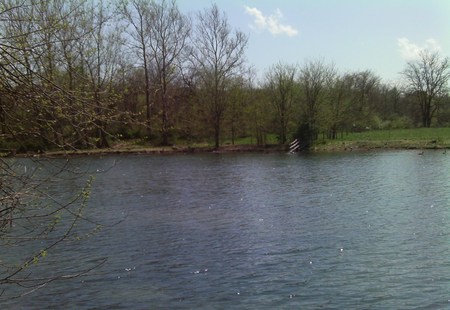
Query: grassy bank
[[131, 148], [418, 138]]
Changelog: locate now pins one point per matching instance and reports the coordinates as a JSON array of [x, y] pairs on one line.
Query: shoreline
[[166, 150], [329, 147], [372, 145]]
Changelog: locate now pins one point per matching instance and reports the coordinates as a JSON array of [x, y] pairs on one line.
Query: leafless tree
[[218, 56], [338, 101], [138, 15], [169, 32], [364, 84], [239, 100], [315, 80], [283, 92], [101, 60], [427, 78]]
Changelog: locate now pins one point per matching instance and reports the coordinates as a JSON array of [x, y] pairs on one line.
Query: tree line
[[81, 74]]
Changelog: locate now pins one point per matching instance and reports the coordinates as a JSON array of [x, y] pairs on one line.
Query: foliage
[[306, 135], [427, 79], [55, 92], [283, 92], [217, 57], [79, 74], [34, 218]]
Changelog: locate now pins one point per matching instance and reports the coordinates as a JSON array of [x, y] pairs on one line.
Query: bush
[[401, 122], [133, 132], [306, 135]]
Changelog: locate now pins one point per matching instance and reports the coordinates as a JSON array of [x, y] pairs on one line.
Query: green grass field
[[400, 134], [418, 138]]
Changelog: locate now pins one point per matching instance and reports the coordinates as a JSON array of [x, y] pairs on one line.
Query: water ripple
[[334, 231]]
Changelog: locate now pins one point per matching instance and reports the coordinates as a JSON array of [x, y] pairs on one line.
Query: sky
[[377, 35]]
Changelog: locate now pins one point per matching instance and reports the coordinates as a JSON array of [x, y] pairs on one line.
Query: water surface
[[251, 231]]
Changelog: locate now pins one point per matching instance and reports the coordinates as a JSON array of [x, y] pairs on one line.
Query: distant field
[[420, 138], [400, 134], [417, 138]]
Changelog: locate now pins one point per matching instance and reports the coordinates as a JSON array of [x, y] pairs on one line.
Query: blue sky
[[379, 35]]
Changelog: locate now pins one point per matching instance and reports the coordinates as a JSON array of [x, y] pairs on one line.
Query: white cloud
[[271, 23], [411, 51]]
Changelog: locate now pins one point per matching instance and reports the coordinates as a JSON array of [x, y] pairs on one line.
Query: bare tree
[[239, 100], [218, 56], [71, 37], [283, 92], [18, 73], [364, 84], [427, 78], [169, 32], [138, 15], [315, 80], [31, 215], [101, 62], [338, 100]]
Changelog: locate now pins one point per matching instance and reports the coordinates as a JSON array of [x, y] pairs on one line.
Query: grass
[[270, 139], [401, 134], [417, 138], [139, 146]]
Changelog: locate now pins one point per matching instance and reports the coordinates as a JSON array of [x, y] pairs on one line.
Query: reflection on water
[[335, 231]]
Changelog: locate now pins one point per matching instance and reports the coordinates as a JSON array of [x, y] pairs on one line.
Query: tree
[[427, 78], [168, 34], [315, 81], [100, 59], [239, 98], [45, 50], [283, 91], [30, 214], [19, 78], [38, 221], [218, 56], [337, 105], [138, 15], [71, 37]]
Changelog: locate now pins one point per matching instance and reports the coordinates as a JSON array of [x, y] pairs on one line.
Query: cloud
[[411, 51], [271, 23]]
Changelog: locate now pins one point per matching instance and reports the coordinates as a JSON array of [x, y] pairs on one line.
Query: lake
[[356, 230]]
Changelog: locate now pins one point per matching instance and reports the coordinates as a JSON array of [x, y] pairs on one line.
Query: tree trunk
[[217, 132], [102, 141], [2, 117], [165, 121], [147, 97]]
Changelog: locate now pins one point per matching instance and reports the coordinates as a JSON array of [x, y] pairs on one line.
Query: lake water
[[260, 231]]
